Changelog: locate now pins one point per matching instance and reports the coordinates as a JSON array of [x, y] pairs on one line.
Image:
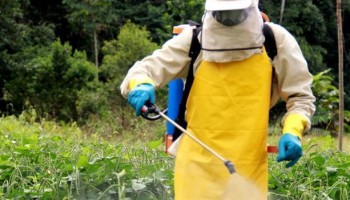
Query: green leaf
[[319, 160], [82, 161]]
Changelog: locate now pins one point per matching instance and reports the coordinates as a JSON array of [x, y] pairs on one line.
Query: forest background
[[66, 58]]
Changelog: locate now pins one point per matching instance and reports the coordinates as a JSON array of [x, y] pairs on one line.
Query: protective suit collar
[[224, 44]]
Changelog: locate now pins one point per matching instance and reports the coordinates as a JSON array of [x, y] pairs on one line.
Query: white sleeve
[[292, 77]]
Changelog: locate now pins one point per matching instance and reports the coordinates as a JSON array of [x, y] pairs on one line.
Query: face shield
[[230, 17]]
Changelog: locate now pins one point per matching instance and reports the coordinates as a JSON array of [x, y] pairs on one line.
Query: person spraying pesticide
[[235, 84]]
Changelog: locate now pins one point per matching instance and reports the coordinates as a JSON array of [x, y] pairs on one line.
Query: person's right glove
[[289, 149], [141, 94]]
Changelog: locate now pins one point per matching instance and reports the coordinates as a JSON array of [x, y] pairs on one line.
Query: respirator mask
[[230, 17]]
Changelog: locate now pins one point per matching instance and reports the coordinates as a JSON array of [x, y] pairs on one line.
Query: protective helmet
[[229, 12], [215, 5]]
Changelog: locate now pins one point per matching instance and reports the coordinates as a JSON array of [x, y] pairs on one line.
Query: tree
[[90, 17], [18, 38], [133, 43], [51, 82], [340, 75], [179, 11], [301, 18]]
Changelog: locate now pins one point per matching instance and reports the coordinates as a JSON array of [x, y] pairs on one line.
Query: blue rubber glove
[[289, 149], [140, 95]]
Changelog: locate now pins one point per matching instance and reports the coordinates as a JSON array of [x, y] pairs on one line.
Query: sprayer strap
[[193, 54], [270, 42]]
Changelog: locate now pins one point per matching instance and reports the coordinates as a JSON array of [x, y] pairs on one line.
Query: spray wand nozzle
[[230, 167], [151, 108]]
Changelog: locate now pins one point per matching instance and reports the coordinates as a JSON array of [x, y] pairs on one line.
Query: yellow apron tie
[[228, 109]]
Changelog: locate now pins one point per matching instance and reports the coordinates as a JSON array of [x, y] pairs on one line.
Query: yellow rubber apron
[[227, 109]]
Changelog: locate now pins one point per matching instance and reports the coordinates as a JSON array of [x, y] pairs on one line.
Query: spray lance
[[150, 108]]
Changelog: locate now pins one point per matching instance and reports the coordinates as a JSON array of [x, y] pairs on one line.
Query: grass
[[322, 173], [49, 161]]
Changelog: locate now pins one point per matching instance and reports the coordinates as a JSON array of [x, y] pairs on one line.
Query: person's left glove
[[289, 149], [141, 94]]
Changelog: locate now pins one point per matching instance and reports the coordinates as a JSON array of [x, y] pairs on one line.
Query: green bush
[[104, 107], [52, 81], [327, 100]]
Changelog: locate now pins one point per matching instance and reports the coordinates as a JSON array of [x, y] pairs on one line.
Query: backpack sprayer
[[150, 108]]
